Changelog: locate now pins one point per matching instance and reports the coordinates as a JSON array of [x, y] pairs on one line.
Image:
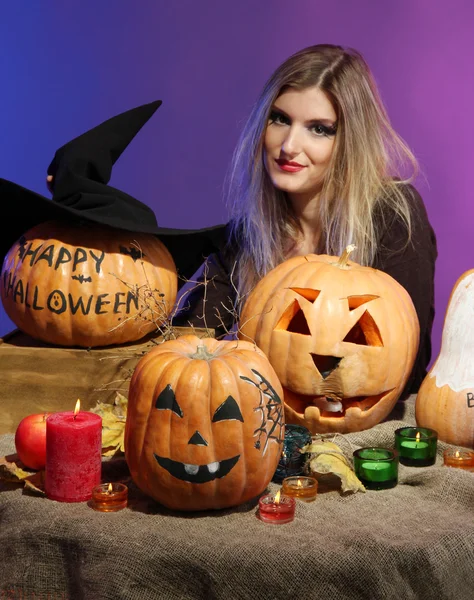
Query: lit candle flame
[[109, 489], [417, 437], [78, 407], [457, 454], [299, 484], [277, 497]]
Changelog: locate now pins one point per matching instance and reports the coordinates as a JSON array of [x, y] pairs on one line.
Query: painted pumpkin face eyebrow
[[228, 411], [167, 401]]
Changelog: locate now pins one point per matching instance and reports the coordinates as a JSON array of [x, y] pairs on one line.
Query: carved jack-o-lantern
[[88, 285], [204, 425], [342, 339]]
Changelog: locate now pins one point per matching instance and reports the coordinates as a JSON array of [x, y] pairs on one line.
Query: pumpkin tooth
[[312, 413], [213, 467], [191, 469], [353, 410]]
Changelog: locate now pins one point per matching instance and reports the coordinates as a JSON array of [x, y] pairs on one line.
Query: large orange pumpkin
[[87, 285], [445, 400], [205, 423], [341, 337]]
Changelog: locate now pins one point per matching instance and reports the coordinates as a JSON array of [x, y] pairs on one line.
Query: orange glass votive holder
[[303, 488], [109, 497], [460, 459]]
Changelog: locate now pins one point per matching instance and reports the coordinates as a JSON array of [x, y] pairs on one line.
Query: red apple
[[30, 441]]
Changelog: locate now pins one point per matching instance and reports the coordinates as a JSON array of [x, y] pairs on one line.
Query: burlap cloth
[[413, 541]]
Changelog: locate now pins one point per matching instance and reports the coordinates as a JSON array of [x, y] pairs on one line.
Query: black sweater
[[412, 265]]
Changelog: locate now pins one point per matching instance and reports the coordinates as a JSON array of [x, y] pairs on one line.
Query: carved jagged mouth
[[332, 407], [338, 409], [197, 473]]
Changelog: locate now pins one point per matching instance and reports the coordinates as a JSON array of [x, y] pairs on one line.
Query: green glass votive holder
[[377, 468], [416, 446]]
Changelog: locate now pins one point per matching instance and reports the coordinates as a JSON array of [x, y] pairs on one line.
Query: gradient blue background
[[65, 67]]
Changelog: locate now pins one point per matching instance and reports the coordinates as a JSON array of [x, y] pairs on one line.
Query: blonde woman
[[318, 166]]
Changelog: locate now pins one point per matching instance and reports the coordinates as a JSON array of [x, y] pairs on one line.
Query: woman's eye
[[279, 118], [323, 130]]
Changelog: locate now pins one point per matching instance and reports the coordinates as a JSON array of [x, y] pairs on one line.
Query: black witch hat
[[81, 170]]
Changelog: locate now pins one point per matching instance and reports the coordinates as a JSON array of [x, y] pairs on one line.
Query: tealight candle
[[73, 455], [416, 446], [109, 497], [460, 459], [276, 509], [377, 468], [304, 488]]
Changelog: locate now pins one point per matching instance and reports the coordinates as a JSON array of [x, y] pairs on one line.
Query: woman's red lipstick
[[289, 165]]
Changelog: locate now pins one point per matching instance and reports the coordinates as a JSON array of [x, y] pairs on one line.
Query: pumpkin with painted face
[[87, 285], [205, 423], [341, 337]]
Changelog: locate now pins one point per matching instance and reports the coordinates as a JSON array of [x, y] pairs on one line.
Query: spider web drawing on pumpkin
[[270, 408]]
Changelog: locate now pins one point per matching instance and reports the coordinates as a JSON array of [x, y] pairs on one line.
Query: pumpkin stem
[[342, 262], [202, 353]]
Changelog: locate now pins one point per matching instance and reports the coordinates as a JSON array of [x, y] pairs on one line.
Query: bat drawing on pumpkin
[[81, 278], [134, 253]]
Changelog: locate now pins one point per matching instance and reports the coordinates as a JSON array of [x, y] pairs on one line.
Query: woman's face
[[299, 141]]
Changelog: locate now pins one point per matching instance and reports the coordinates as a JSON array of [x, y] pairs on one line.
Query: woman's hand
[[49, 183]]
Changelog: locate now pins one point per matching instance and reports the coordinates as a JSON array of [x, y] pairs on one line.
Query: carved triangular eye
[[293, 320], [365, 332], [307, 293], [228, 411], [167, 401], [356, 301]]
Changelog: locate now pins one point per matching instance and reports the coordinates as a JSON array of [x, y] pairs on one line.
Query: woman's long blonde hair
[[365, 170]]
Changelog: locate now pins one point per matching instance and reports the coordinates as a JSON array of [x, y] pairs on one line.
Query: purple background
[[65, 67]]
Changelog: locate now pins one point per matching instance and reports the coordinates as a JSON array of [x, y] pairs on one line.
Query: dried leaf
[[329, 463], [11, 471], [34, 484], [113, 424], [325, 447], [326, 457]]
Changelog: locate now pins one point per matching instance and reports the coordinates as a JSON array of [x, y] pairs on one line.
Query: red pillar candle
[[73, 455]]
